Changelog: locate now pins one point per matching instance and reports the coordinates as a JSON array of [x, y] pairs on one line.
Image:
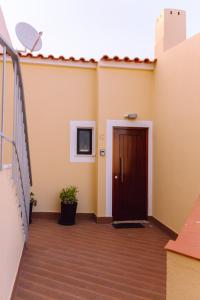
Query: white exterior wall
[[11, 234], [3, 30]]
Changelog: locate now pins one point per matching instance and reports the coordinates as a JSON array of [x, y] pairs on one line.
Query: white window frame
[[79, 158]]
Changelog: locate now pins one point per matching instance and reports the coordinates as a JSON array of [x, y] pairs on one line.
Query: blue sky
[[92, 28]]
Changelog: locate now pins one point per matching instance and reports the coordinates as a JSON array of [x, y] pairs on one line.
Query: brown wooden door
[[130, 174]]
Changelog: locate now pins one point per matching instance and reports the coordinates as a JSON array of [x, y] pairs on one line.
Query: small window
[[84, 141]]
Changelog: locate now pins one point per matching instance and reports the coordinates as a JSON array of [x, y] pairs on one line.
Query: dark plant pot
[[30, 212], [68, 214]]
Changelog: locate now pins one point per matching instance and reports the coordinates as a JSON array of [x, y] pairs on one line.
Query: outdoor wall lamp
[[131, 116]]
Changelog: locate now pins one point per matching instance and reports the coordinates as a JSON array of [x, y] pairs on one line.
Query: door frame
[[109, 159]]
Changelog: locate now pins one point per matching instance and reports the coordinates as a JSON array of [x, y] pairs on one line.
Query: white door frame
[[109, 159]]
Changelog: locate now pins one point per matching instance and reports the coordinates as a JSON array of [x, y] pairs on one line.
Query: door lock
[[116, 177]]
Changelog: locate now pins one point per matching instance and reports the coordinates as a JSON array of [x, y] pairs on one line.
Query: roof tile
[[91, 60], [127, 59], [61, 57]]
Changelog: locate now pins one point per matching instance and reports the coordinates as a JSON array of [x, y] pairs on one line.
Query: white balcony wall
[[11, 234]]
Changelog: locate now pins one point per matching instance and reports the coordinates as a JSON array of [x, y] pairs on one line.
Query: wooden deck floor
[[92, 261]]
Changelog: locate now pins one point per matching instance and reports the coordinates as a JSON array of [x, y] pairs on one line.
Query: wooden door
[[130, 179]]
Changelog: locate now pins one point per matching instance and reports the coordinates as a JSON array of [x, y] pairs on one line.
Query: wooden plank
[[92, 261]]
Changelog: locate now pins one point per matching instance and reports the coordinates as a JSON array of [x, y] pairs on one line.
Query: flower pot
[[30, 212], [68, 214]]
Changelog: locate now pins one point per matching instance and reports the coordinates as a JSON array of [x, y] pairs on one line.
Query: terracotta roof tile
[[71, 58], [41, 56], [50, 57], [61, 57], [127, 59], [91, 60]]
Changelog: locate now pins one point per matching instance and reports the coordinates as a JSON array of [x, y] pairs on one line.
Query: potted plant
[[33, 202], [68, 197]]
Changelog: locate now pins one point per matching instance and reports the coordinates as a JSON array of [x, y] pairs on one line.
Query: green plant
[[68, 195], [32, 199]]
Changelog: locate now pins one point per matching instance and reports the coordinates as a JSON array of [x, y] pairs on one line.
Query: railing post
[[3, 104], [14, 120]]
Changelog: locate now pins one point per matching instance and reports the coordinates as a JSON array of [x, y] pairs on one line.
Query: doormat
[[127, 225]]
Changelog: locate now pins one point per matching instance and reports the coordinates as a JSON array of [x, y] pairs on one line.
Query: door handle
[[121, 169]]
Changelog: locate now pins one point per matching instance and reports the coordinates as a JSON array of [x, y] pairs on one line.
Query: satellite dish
[[28, 36]]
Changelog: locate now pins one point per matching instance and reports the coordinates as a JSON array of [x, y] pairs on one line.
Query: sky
[[92, 28]]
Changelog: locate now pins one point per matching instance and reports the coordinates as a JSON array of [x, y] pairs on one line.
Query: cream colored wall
[[120, 91], [183, 277], [11, 236], [159, 35], [176, 133], [54, 96]]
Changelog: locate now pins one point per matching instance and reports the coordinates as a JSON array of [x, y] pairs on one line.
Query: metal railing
[[21, 167]]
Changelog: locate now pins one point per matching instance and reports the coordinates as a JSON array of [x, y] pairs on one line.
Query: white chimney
[[170, 29]]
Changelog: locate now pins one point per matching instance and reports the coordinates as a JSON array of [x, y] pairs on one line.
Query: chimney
[[170, 30]]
